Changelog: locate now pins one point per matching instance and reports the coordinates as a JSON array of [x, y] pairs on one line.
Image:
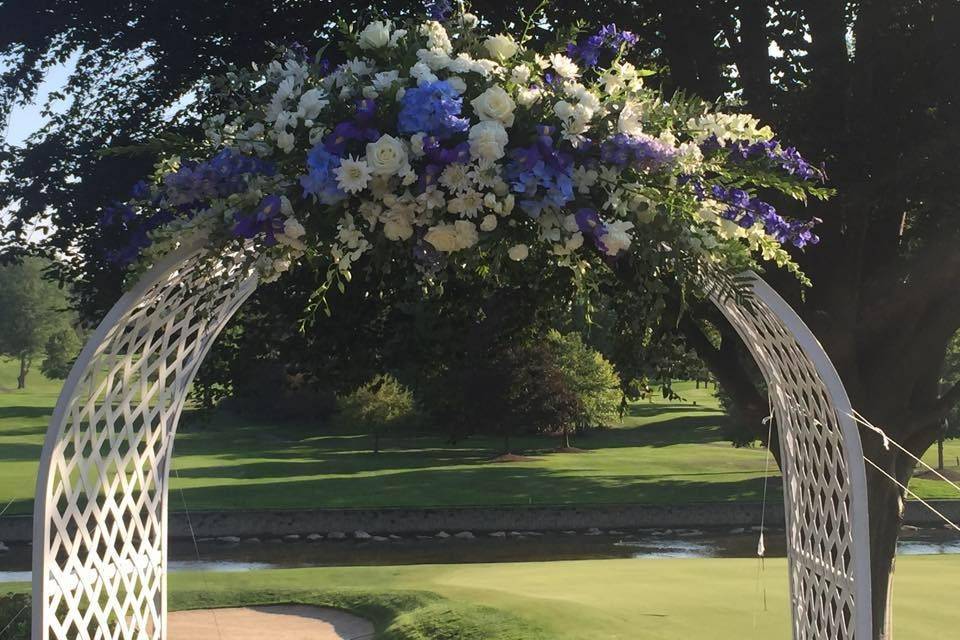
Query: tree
[[32, 309], [590, 377], [382, 404], [59, 352]]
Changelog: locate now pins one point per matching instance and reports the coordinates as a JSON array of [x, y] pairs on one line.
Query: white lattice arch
[[100, 520]]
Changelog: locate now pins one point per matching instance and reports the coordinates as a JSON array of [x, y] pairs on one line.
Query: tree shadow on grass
[[472, 487], [20, 452], [25, 412]]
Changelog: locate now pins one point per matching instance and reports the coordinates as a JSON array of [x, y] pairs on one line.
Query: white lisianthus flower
[[293, 229], [616, 239], [442, 237], [518, 252], [416, 144], [312, 102], [501, 47], [629, 121], [375, 35], [286, 141], [436, 36], [527, 97], [395, 38], [488, 140], [495, 104], [422, 73], [352, 175], [489, 222], [436, 59], [383, 80], [458, 84], [520, 74], [387, 156], [564, 66]]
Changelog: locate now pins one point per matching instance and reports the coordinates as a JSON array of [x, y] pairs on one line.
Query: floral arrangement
[[434, 147]]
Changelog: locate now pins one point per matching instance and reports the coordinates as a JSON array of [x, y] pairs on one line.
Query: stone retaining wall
[[479, 519]]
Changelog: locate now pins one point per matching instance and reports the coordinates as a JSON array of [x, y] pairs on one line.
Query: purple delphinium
[[439, 10], [588, 50], [639, 152], [264, 219], [541, 174], [746, 211], [224, 174], [786, 158], [320, 180]]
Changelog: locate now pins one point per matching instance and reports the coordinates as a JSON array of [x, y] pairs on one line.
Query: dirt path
[[285, 622]]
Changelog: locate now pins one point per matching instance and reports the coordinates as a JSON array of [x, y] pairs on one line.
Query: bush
[[15, 607], [59, 352], [379, 405]]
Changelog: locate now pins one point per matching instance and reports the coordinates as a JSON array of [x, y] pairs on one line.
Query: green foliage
[[15, 612], [590, 377], [32, 309]]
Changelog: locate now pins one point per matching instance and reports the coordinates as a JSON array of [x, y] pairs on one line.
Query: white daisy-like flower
[[468, 204], [352, 175], [564, 66], [455, 177]]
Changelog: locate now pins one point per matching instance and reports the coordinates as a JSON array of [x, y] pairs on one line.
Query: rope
[[196, 548], [911, 493], [761, 546], [887, 441], [10, 624]]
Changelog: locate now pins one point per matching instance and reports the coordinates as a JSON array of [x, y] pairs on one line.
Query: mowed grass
[[654, 599], [663, 452]]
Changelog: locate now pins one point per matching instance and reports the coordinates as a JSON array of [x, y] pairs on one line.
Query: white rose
[[495, 104], [387, 156], [518, 252], [416, 144], [375, 35], [442, 237], [489, 222], [501, 46], [488, 140]]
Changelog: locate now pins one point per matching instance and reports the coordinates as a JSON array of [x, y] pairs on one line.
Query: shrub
[[589, 376]]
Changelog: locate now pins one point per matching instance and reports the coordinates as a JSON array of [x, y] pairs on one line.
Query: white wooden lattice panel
[[100, 519]]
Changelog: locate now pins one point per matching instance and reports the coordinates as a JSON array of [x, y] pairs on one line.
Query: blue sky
[[24, 120]]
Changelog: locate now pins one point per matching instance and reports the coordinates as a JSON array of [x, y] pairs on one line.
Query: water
[[640, 545]]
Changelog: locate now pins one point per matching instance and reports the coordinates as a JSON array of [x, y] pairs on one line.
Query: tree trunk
[[24, 370], [376, 442], [566, 437], [940, 453], [506, 444]]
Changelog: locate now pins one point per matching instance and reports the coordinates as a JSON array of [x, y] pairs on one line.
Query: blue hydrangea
[[320, 180], [541, 174], [433, 109]]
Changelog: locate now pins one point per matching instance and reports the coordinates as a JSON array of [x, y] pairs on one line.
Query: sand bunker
[[285, 622]]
